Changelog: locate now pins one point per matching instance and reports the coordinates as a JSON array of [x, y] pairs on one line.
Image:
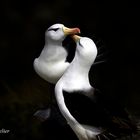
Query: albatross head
[[86, 49], [58, 32]]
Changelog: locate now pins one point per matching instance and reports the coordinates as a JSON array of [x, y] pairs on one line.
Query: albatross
[[51, 64], [85, 109]]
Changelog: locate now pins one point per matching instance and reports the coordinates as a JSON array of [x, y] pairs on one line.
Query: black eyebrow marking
[[53, 29]]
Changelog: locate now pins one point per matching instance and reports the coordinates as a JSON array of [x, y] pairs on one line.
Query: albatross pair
[[74, 87]]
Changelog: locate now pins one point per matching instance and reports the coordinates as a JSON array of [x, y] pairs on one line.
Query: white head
[[58, 32], [86, 49]]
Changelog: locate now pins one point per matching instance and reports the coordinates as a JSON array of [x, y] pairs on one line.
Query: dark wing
[[100, 112]]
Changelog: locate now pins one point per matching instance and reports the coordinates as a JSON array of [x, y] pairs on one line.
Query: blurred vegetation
[[17, 106]]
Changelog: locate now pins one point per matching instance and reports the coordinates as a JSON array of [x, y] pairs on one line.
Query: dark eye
[[80, 44], [53, 29]]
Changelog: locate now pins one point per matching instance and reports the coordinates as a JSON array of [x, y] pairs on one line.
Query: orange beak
[[71, 31], [76, 38]]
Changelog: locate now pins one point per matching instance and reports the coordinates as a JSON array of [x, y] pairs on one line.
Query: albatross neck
[[53, 43], [78, 75], [53, 52], [80, 65]]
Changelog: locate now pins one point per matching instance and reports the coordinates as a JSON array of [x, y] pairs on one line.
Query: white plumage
[[51, 64]]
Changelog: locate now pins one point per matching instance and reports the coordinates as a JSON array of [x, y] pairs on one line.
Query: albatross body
[[86, 111], [51, 64]]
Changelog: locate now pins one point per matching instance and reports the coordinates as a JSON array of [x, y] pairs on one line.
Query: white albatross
[[51, 64], [100, 122]]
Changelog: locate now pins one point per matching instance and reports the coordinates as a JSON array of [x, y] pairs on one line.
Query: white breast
[[75, 82], [49, 71]]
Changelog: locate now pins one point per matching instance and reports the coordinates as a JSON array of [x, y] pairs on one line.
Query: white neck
[[79, 66], [74, 124], [76, 76], [53, 52]]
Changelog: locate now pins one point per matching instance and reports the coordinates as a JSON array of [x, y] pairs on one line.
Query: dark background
[[113, 25]]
